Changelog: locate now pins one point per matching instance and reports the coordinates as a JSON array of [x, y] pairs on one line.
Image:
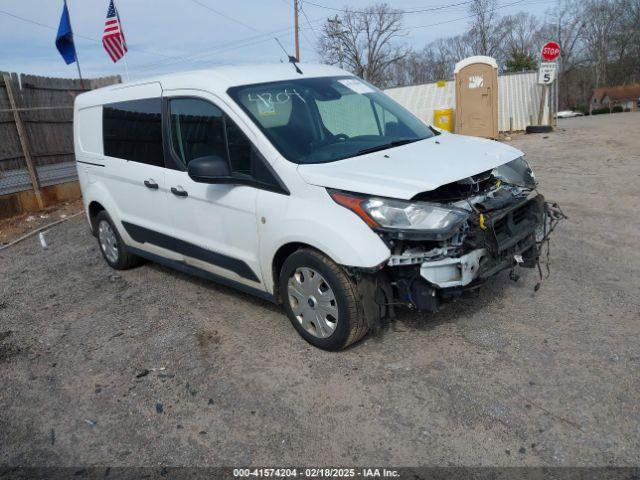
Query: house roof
[[618, 93]]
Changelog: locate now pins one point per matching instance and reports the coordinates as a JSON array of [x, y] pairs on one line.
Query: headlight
[[516, 172], [436, 221]]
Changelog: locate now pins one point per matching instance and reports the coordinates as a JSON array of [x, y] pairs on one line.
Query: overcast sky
[[173, 35]]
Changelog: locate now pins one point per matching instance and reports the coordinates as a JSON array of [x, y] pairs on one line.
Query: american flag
[[113, 36]]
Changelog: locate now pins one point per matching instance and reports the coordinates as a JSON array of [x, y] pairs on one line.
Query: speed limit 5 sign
[[547, 73]]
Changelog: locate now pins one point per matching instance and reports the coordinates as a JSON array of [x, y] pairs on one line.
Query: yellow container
[[443, 119]]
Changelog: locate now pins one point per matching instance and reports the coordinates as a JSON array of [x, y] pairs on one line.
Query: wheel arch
[[93, 209], [280, 257], [97, 198]]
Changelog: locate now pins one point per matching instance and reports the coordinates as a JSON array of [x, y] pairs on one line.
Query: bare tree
[[458, 48], [519, 47], [436, 61], [520, 37], [626, 40], [364, 42], [487, 31], [564, 23], [599, 39], [601, 20]]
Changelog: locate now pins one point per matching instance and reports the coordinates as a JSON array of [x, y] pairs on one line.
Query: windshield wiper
[[385, 146]]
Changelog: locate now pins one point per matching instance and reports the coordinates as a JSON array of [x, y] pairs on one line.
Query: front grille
[[509, 226]]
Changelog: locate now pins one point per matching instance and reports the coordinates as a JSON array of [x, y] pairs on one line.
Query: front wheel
[[321, 301]]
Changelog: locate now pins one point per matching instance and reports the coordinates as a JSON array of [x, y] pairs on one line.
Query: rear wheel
[[112, 247], [321, 300]]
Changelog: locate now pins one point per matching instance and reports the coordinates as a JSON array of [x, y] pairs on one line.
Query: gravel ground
[[149, 366]]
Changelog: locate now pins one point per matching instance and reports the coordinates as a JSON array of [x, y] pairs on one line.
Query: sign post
[[547, 74]]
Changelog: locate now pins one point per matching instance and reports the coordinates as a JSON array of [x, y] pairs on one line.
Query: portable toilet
[[476, 80]]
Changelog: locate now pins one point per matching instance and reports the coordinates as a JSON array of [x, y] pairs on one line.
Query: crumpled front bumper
[[475, 267], [453, 272], [503, 238], [509, 237]]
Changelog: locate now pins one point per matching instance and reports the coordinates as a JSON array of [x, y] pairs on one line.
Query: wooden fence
[[36, 125]]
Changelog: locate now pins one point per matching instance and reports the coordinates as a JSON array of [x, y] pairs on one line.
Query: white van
[[314, 190]]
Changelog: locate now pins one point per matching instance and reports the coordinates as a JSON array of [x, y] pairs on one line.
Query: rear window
[[133, 131]]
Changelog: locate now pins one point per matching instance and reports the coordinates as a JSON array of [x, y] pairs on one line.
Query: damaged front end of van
[[453, 239]]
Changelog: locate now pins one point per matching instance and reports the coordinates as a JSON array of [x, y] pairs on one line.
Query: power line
[[91, 39], [31, 21], [304, 34], [499, 7], [267, 36], [214, 52], [308, 21], [224, 15], [420, 10]]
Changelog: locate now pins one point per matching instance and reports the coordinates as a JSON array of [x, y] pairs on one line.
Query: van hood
[[405, 171]]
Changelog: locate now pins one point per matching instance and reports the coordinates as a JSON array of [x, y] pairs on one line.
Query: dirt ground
[[14, 227], [152, 367]]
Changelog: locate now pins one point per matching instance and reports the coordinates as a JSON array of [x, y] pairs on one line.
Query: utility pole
[[296, 29], [560, 67]]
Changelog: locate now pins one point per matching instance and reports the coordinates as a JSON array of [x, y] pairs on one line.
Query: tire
[[112, 247], [335, 319], [539, 129]]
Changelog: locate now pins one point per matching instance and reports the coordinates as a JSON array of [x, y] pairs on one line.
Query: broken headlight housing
[[517, 172], [426, 220]]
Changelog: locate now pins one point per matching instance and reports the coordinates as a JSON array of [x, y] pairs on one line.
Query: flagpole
[[124, 54], [75, 49], [79, 72], [126, 67]]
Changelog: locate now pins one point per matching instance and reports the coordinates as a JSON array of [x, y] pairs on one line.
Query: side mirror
[[209, 169]]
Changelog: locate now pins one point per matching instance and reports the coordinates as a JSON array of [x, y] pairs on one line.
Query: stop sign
[[551, 51]]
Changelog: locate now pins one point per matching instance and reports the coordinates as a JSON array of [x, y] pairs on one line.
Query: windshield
[[319, 120]]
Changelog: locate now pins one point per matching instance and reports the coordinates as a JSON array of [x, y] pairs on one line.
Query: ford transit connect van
[[314, 190]]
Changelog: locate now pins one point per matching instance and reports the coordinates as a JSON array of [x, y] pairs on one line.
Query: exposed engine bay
[[505, 224]]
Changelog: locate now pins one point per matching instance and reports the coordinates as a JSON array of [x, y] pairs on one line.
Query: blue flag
[[64, 39]]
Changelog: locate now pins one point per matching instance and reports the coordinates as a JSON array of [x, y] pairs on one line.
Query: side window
[[241, 152], [200, 129], [244, 159], [197, 129], [133, 131]]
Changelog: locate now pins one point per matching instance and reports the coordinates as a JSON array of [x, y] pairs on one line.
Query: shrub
[[582, 108], [618, 109]]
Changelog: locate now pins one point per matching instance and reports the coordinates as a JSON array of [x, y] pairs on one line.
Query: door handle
[[179, 192], [151, 184]]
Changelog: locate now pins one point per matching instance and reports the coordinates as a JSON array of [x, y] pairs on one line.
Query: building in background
[[626, 97]]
